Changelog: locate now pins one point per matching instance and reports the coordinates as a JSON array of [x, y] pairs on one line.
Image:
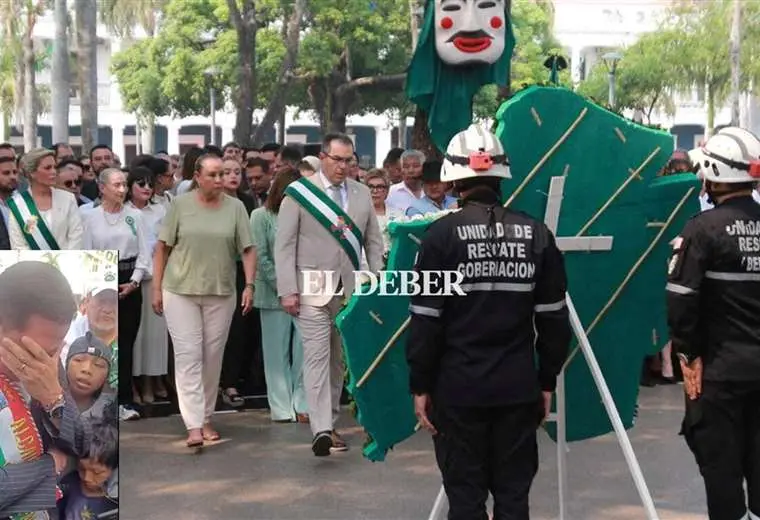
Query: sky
[[84, 270]]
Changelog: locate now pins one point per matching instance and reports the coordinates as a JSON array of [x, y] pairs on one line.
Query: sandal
[[194, 442], [232, 398], [209, 434]]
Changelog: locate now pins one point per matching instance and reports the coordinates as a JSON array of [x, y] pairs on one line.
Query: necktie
[[336, 197]]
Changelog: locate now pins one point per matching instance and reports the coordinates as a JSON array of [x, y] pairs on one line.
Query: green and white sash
[[330, 216], [32, 225]]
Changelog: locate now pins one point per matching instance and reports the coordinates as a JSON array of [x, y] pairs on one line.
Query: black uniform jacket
[[713, 291], [479, 349]]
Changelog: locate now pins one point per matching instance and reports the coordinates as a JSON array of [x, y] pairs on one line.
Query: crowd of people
[[195, 236], [211, 247]]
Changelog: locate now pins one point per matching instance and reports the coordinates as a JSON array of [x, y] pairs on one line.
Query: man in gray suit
[[324, 223]]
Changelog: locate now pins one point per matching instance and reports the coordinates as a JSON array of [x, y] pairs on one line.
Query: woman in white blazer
[[43, 217]]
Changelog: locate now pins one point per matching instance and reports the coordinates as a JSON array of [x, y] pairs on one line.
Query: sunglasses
[[144, 184], [71, 184]]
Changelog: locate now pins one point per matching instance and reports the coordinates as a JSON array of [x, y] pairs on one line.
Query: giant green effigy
[[609, 166]]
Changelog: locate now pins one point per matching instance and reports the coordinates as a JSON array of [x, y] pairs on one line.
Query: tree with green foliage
[[223, 44], [139, 73], [352, 59], [689, 50], [641, 82], [534, 42]]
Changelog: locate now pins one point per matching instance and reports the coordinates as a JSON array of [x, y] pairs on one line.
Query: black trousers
[[130, 310], [722, 429], [487, 449], [243, 342]]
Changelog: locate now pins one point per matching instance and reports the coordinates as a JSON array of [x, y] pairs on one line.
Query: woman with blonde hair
[[194, 288], [281, 340], [43, 217]]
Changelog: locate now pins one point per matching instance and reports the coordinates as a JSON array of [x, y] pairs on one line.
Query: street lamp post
[[209, 73], [611, 60], [207, 41]]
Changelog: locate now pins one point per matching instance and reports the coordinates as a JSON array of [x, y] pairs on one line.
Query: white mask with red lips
[[470, 31]]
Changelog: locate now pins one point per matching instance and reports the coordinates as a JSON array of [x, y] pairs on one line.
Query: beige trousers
[[323, 366], [198, 326]]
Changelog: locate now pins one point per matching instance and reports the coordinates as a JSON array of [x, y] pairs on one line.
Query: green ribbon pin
[[131, 223]]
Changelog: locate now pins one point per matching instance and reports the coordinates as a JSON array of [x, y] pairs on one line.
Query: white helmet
[[474, 152], [730, 156]]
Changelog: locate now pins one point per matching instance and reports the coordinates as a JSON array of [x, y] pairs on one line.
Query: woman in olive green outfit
[[282, 369], [194, 288]]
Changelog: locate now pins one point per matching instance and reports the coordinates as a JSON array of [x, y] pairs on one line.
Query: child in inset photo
[[85, 492], [87, 365]]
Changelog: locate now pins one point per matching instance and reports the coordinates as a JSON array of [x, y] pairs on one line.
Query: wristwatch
[[685, 358], [135, 284], [55, 409]]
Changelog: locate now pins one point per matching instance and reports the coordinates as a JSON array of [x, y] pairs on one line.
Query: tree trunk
[[710, 128], [651, 107], [278, 100], [343, 96], [341, 100], [318, 100], [30, 92], [148, 131], [60, 83], [401, 140], [421, 137], [735, 52], [87, 54], [246, 26]]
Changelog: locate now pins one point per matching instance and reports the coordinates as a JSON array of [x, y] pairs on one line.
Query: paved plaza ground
[[266, 471]]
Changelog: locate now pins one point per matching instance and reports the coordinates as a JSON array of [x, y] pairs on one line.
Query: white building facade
[[584, 27], [373, 134], [587, 28]]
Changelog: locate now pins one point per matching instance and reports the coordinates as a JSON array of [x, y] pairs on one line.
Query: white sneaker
[[128, 414]]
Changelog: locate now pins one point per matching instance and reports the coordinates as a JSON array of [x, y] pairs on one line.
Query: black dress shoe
[[322, 443]]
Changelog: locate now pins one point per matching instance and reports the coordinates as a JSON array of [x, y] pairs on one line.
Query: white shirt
[[124, 232], [329, 187], [164, 199], [153, 217], [184, 186], [400, 199]]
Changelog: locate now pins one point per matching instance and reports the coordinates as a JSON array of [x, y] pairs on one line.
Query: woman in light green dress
[[280, 338]]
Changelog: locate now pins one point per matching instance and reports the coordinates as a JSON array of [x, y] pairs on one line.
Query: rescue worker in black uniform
[[471, 357], [713, 295]]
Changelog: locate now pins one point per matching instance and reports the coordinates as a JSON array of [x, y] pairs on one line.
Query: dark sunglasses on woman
[[144, 184]]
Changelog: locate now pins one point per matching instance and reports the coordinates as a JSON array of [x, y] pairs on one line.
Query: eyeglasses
[[72, 183], [144, 184], [342, 160], [377, 187]]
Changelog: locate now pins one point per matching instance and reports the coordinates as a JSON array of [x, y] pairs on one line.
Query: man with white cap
[[472, 357], [713, 295]]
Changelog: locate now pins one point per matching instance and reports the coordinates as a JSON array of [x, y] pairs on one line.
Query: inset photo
[[59, 432]]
